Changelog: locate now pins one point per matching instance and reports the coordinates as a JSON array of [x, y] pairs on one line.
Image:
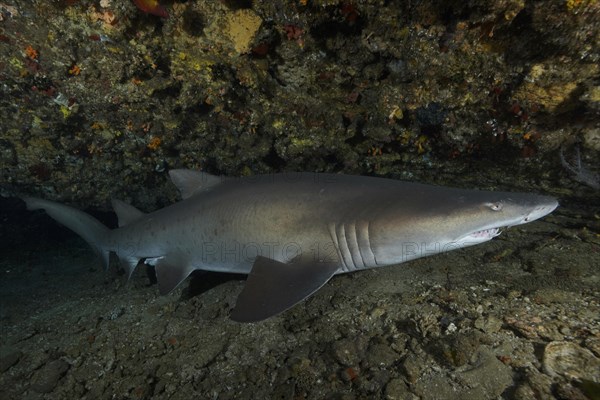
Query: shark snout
[[542, 206]]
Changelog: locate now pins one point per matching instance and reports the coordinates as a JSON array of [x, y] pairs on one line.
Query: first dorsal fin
[[189, 182], [125, 212]]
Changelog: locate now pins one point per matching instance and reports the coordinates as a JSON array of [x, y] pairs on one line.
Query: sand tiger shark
[[292, 232]]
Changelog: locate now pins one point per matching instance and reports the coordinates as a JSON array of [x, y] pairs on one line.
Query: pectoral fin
[[273, 287]]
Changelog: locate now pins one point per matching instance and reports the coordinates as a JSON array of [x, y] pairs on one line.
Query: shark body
[[292, 232]]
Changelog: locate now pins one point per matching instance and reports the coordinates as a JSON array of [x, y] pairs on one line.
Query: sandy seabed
[[514, 318]]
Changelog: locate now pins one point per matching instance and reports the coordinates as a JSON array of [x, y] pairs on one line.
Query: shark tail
[[86, 226]]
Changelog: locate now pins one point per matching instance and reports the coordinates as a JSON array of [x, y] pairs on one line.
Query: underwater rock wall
[[101, 98]]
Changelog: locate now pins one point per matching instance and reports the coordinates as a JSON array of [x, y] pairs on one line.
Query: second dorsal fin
[[189, 182], [126, 213]]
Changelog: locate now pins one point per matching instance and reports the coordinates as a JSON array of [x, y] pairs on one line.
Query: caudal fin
[[86, 226]]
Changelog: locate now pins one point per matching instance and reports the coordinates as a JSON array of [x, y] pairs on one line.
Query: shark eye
[[497, 206]]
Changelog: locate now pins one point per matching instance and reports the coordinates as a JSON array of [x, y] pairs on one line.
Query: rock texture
[[100, 99]]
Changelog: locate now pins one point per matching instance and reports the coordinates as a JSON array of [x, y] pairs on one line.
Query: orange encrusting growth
[[151, 7]]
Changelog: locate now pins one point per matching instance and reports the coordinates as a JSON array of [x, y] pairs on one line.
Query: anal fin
[[273, 287]]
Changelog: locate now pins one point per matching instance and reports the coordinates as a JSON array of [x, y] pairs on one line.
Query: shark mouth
[[486, 233], [478, 236]]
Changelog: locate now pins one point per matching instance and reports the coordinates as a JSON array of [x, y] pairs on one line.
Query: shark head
[[439, 222], [485, 219]]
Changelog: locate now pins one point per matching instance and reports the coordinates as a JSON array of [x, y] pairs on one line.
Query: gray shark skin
[[292, 232]]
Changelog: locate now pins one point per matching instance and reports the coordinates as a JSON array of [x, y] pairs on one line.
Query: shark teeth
[[486, 233], [478, 237]]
